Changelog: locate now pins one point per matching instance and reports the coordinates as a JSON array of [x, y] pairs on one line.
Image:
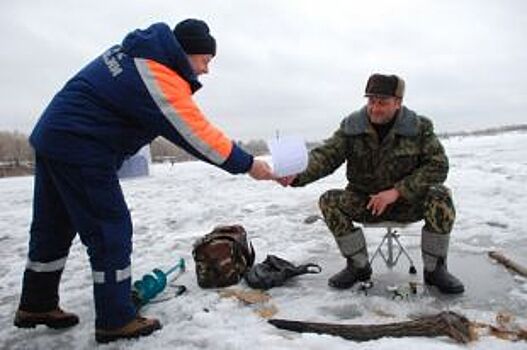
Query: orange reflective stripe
[[177, 94]]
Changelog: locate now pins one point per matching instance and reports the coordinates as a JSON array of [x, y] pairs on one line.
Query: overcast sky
[[296, 66]]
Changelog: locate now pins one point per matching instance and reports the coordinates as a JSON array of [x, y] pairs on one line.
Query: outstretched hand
[[380, 201], [260, 170], [286, 180]]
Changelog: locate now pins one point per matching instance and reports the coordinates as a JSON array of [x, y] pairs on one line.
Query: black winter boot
[[350, 275], [443, 280], [352, 245], [435, 249]]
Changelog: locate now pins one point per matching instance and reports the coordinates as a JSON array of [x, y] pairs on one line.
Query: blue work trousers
[[88, 200]]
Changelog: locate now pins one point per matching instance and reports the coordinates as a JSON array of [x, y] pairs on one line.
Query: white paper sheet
[[289, 155]]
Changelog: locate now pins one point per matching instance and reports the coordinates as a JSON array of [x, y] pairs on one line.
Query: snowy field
[[177, 204]]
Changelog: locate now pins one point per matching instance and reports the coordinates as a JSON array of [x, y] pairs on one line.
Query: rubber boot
[[434, 249], [350, 275], [353, 248]]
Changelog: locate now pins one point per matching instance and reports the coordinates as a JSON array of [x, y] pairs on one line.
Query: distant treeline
[[17, 156], [483, 132]]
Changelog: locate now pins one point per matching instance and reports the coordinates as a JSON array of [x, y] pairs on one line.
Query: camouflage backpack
[[222, 256]]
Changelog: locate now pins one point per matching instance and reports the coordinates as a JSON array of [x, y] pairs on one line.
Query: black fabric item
[[275, 271], [194, 36]]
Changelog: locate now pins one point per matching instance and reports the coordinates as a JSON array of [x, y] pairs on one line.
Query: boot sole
[[347, 286], [107, 338]]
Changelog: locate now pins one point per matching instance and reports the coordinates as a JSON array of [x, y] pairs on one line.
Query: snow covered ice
[[179, 203]]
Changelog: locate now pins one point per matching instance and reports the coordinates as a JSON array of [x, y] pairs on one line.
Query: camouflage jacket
[[410, 158]]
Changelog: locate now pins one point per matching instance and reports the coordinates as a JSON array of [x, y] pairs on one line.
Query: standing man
[[119, 102], [396, 167]]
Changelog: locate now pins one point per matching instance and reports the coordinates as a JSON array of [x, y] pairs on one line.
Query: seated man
[[396, 167]]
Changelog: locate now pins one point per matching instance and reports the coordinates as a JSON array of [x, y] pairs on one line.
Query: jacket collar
[[405, 124]]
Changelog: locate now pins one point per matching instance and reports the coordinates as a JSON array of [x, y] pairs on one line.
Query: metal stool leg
[[402, 250], [378, 251], [391, 262], [390, 259]]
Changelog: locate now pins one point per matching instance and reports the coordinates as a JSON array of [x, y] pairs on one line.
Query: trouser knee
[[340, 208], [439, 210], [328, 201]]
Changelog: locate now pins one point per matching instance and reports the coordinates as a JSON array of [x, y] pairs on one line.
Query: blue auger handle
[[154, 283], [179, 266]]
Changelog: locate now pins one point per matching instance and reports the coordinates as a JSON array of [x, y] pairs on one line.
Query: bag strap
[[310, 268], [278, 263], [306, 268]]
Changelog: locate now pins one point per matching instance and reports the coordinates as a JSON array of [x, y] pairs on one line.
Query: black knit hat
[[385, 85], [194, 36]]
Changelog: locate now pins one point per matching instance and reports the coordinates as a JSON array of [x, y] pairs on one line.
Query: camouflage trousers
[[341, 208]]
